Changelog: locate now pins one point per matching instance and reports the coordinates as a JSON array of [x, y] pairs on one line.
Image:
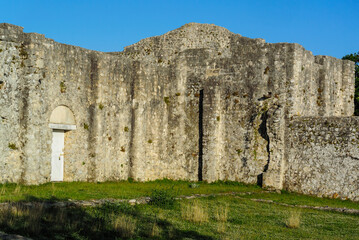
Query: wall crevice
[[200, 136]]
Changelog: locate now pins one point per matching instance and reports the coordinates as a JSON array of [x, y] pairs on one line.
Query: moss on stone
[[12, 146], [23, 54], [62, 87], [167, 100], [239, 151]]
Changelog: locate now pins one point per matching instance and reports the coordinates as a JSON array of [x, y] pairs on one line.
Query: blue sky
[[324, 27]]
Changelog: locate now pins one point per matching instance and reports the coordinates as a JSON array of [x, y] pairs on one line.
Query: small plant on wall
[[12, 146], [239, 151], [62, 87]]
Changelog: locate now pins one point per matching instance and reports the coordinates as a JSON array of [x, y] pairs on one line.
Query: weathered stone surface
[[323, 156], [198, 102]]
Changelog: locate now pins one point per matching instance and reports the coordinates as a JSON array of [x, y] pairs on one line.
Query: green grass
[[253, 220], [220, 217], [245, 219], [117, 190], [129, 189], [300, 199]]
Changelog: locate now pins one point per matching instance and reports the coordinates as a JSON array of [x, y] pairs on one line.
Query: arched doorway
[[61, 120]]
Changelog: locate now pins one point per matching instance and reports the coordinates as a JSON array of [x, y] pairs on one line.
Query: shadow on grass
[[109, 221], [31, 198]]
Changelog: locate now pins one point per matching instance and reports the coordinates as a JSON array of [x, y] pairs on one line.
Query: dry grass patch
[[53, 189], [125, 226], [293, 220], [17, 189], [221, 216], [156, 230], [221, 213], [194, 212], [221, 227], [3, 190], [17, 215]]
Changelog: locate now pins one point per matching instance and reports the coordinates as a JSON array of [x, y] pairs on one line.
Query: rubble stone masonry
[[197, 103]]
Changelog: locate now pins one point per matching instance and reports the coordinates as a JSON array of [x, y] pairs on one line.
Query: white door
[[57, 157]]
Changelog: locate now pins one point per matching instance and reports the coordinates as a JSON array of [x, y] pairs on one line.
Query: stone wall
[[238, 85], [12, 105], [323, 157], [197, 103], [39, 75], [323, 86]]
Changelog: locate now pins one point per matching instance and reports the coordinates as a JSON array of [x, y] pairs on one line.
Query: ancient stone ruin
[[197, 103]]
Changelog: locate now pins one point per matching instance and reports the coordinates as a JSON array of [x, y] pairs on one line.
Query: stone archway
[[61, 120]]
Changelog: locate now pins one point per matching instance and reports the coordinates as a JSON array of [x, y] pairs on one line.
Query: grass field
[[221, 217], [117, 190]]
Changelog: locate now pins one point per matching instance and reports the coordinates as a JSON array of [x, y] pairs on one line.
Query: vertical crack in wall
[[24, 110], [200, 136], [264, 134]]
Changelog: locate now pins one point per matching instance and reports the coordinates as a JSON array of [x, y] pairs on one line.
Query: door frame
[[65, 128]]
